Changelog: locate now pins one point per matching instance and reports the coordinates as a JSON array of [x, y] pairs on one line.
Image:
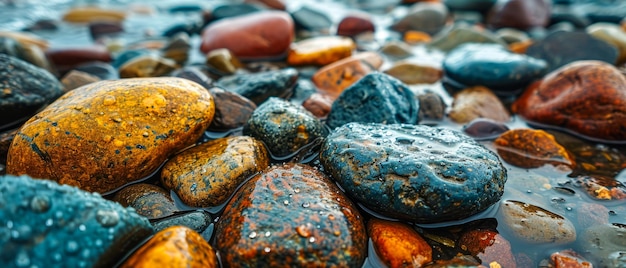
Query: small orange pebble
[[320, 50], [398, 245], [530, 148], [332, 79], [416, 37], [176, 246], [520, 47]]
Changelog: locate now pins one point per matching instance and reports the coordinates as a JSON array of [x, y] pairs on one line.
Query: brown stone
[[93, 14], [584, 97], [265, 34], [320, 50], [223, 60], [519, 14], [318, 104], [67, 58], [477, 102], [26, 39], [148, 200], [6, 138], [104, 135], [354, 24], [231, 110], [414, 73], [208, 174], [488, 246], [530, 148], [398, 245], [75, 79], [149, 65], [332, 79], [176, 246]]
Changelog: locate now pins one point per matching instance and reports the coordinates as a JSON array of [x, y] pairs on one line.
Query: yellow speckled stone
[[320, 50], [104, 135]]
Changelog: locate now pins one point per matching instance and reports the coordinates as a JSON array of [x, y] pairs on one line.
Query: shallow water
[[558, 190]]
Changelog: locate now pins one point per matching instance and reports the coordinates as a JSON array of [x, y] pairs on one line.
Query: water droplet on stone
[[312, 239], [306, 204], [71, 247], [267, 234], [57, 257], [98, 242], [109, 100], [286, 202], [82, 227], [22, 259], [9, 224], [252, 235], [267, 249], [40, 204], [107, 218]]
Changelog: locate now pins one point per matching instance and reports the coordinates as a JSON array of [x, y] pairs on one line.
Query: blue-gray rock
[[283, 126], [129, 55], [24, 89], [197, 220], [470, 5], [310, 19], [375, 98], [43, 224], [233, 10], [185, 8], [606, 244], [561, 48], [258, 87], [492, 66], [414, 172]]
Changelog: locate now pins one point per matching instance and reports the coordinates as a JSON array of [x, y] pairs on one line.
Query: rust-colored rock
[[332, 79], [208, 174], [477, 102], [415, 73], [320, 50], [148, 200], [355, 24], [106, 134], [318, 104], [530, 148], [569, 259], [488, 246], [584, 97], [398, 245], [265, 34], [176, 246]]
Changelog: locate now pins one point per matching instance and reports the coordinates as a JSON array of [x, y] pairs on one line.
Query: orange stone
[[488, 246], [398, 245], [320, 50], [176, 246], [92, 14], [569, 259], [529, 148], [416, 37], [332, 79], [259, 35], [520, 47]]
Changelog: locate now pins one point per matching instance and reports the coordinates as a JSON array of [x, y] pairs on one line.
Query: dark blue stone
[[414, 172], [186, 8], [492, 66], [128, 55], [310, 19], [258, 87], [375, 98]]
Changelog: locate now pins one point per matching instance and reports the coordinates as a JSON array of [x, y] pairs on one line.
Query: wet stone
[[520, 14], [432, 106], [483, 128], [291, 215], [569, 258], [93, 14], [65, 59], [612, 34], [6, 138], [511, 35], [231, 110], [473, 5], [477, 102], [332, 79], [396, 49], [375, 98], [320, 51], [535, 225], [310, 19], [208, 174], [460, 35], [530, 148], [127, 127], [223, 60], [197, 220], [585, 97], [194, 74], [492, 66], [51, 225], [284, 127], [129, 54], [43, 25], [488, 246], [302, 91], [605, 244], [398, 245], [234, 10], [25, 89], [150, 65], [99, 29], [148, 200], [354, 24], [318, 104], [429, 17], [266, 35], [258, 87], [176, 246], [102, 70], [418, 173], [415, 73], [561, 48]]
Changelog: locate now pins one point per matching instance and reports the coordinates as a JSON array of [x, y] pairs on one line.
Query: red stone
[[585, 97], [569, 259], [255, 36], [488, 246], [519, 14], [355, 24], [67, 58]]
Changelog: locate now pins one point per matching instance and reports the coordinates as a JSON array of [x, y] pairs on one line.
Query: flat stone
[[488, 246], [127, 127], [531, 148], [206, 175], [429, 17], [332, 79], [414, 172], [259, 87], [320, 50], [460, 35], [484, 129], [291, 215], [397, 244], [415, 73], [477, 102], [605, 244], [535, 225], [148, 200], [51, 225], [520, 14], [197, 220], [65, 59], [149, 65], [93, 14], [231, 10], [231, 110]]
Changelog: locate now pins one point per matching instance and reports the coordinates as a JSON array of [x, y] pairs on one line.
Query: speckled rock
[[148, 200], [560, 48], [605, 244], [320, 51], [477, 102], [460, 35], [75, 79], [125, 128], [354, 24], [291, 215], [415, 73], [25, 89], [284, 127], [51, 225], [492, 66], [488, 246], [587, 98], [375, 98], [310, 19], [334, 78], [149, 65], [177, 246], [419, 173], [208, 174], [258, 87], [231, 110], [197, 220], [535, 225], [612, 34], [432, 106], [398, 245], [520, 14], [532, 148], [484, 129], [266, 34], [429, 17]]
